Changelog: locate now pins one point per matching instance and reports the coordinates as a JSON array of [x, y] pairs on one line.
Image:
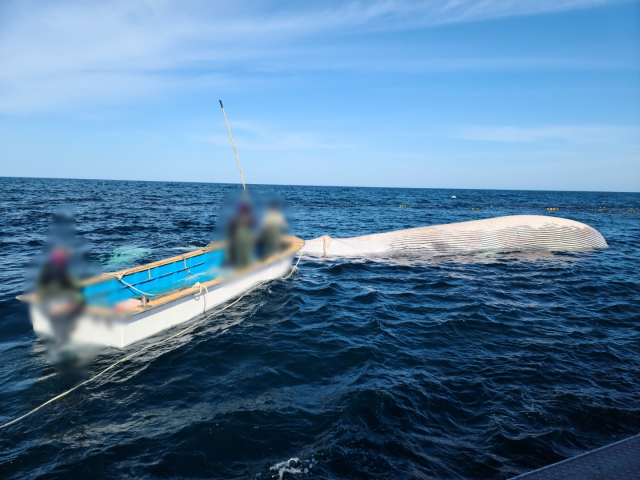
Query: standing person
[[241, 242]]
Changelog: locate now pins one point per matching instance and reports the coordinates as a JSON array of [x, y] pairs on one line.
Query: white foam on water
[[293, 466], [188, 248]]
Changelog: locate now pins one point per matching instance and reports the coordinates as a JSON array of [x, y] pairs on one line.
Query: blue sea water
[[478, 367]]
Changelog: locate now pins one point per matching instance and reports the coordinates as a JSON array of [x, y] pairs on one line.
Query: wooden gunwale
[[159, 263]]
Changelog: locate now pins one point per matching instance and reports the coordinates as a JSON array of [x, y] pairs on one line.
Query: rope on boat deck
[[196, 285], [119, 277], [190, 327]]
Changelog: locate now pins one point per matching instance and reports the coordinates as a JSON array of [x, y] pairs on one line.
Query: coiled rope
[[131, 355]]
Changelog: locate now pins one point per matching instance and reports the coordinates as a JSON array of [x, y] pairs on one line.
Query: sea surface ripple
[[478, 367]]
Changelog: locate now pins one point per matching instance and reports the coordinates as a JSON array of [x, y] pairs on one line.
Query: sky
[[496, 94]]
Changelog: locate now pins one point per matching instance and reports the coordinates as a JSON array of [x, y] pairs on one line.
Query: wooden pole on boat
[[232, 144]]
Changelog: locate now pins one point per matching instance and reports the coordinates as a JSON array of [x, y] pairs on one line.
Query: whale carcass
[[510, 233]]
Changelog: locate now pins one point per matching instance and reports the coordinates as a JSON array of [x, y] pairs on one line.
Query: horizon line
[[305, 185]]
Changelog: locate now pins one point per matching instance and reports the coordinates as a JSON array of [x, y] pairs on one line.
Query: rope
[[119, 277], [190, 327], [200, 286], [294, 267]]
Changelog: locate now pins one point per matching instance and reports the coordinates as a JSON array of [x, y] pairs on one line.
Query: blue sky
[[532, 94]]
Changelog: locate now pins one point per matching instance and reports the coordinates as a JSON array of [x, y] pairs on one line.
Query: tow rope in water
[[295, 266], [190, 327]]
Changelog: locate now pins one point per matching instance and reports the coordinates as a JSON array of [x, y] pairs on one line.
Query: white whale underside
[[511, 233]]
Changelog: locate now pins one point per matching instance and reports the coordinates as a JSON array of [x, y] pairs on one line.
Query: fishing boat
[[121, 308], [127, 306]]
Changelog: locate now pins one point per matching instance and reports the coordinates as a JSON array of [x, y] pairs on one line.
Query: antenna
[[232, 144]]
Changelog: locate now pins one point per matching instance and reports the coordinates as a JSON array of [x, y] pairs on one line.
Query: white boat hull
[[119, 332]]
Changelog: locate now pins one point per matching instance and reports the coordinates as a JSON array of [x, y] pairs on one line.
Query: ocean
[[462, 367]]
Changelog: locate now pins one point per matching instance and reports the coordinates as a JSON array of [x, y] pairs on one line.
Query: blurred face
[[59, 257]]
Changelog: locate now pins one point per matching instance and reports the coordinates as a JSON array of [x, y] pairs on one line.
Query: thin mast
[[234, 147]]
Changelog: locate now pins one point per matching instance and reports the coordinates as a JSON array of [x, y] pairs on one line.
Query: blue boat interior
[[158, 280]]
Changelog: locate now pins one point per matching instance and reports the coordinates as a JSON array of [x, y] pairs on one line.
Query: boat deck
[[618, 460]]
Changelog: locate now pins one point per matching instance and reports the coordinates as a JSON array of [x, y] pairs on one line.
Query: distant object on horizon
[[516, 233]]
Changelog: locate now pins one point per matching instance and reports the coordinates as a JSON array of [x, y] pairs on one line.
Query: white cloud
[[571, 134], [62, 53]]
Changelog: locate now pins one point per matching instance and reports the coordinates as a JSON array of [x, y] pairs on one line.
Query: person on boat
[[55, 280], [241, 241], [274, 226], [59, 293]]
